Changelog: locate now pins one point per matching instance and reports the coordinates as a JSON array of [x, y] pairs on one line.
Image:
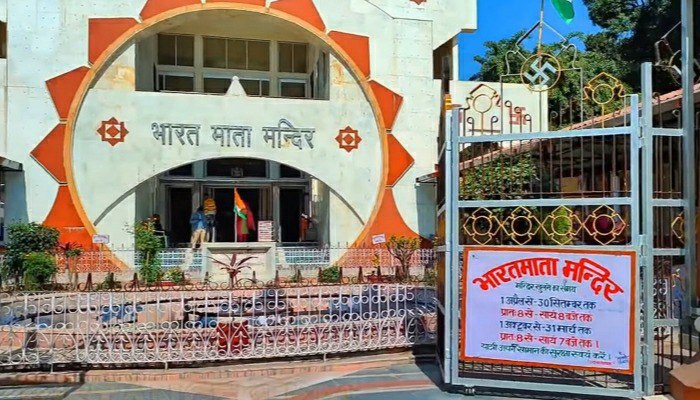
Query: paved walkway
[[396, 376]]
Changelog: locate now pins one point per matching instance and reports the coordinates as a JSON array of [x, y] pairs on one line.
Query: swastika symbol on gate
[[540, 72], [540, 76]]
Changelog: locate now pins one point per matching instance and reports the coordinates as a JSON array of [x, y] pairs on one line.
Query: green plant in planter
[[430, 277], [148, 245], [402, 249], [330, 275], [39, 268], [233, 266], [176, 275], [109, 283], [24, 239]]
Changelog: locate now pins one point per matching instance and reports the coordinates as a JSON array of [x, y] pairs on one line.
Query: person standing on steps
[[199, 228], [210, 215]]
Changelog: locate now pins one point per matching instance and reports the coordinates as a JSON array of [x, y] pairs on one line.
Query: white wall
[[51, 37]]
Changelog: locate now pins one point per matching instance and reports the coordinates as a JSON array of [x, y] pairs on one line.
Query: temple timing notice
[[549, 308]]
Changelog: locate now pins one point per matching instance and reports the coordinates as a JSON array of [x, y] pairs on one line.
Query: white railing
[[286, 259], [135, 327]]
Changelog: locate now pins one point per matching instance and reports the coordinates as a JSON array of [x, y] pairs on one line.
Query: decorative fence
[[148, 327], [286, 259]]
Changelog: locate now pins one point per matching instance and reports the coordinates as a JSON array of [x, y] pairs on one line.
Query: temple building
[[323, 115]]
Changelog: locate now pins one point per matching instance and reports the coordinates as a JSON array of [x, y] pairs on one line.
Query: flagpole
[[235, 218], [539, 40]]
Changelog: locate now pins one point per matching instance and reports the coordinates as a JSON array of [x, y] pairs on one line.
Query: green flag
[[565, 8]]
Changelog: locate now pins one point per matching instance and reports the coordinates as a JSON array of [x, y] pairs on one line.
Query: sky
[[498, 19]]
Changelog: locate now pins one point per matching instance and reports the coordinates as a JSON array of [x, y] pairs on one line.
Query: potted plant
[[402, 249], [148, 245], [175, 277], [233, 266]]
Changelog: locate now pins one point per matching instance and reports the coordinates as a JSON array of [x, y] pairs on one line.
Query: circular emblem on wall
[[541, 72]]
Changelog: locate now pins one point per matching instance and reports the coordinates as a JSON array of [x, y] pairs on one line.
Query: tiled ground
[[353, 379]]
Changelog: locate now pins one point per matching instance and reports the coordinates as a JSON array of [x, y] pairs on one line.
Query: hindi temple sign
[[549, 308], [281, 136]]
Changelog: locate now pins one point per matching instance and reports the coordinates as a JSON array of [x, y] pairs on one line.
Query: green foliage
[[564, 98], [629, 32], [176, 275], [330, 275], [71, 250], [402, 249], [430, 277], [561, 227], [39, 268], [109, 283], [148, 244], [503, 178], [23, 239], [233, 266]]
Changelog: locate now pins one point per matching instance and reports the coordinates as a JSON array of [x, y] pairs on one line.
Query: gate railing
[[563, 189], [151, 327]]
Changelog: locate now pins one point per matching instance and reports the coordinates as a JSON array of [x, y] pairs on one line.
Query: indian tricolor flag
[[239, 207], [565, 8]]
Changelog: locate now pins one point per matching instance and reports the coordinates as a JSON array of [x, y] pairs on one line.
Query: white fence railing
[[138, 327], [286, 258]]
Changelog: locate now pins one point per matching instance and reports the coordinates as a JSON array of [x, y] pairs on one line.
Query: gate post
[[646, 255], [447, 288], [689, 186]]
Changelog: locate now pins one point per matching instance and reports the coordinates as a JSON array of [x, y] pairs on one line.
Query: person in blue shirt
[[199, 228]]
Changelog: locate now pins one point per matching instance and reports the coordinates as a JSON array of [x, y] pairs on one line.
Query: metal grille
[[137, 327], [615, 181], [569, 188]]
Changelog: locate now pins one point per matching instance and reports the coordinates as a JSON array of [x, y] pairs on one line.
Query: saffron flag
[[239, 207], [565, 8]]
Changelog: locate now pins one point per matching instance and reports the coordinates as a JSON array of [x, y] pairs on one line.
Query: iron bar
[[689, 186]]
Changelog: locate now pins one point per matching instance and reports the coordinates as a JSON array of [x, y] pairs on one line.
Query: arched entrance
[[292, 204]]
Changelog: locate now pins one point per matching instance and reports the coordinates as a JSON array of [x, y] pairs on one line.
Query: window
[[256, 87], [184, 170], [216, 85], [264, 68], [289, 172], [174, 82], [237, 168], [293, 57], [176, 50], [293, 88], [3, 39], [248, 55]]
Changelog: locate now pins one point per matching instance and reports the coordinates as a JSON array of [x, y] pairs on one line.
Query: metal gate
[[617, 181]]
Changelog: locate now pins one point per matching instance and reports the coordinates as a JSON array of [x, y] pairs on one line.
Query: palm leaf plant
[[233, 266]]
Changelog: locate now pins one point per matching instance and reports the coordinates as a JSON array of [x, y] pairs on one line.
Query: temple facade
[[321, 114]]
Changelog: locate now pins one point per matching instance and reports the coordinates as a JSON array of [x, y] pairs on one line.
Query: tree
[[568, 92], [23, 239], [632, 28], [630, 31], [402, 249]]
